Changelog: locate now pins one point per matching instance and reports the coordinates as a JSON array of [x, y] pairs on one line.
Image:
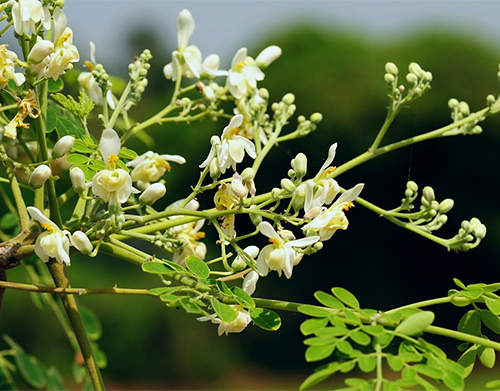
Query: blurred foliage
[[341, 76]]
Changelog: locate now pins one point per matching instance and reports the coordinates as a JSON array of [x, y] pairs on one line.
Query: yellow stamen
[[241, 65], [274, 241], [89, 65], [46, 226], [347, 205], [234, 131], [199, 235], [113, 159]]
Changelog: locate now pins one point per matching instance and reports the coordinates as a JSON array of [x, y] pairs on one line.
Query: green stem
[[462, 337], [72, 291]]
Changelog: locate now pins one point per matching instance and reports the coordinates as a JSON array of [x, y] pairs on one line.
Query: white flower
[[226, 199], [27, 13], [51, 60], [243, 75], [51, 244], [190, 234], [149, 167], [231, 149], [63, 146], [113, 185], [243, 318], [77, 178], [330, 220], [280, 255], [320, 190], [7, 67]]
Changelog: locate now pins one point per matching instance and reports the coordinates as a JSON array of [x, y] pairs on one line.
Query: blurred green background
[[339, 73]]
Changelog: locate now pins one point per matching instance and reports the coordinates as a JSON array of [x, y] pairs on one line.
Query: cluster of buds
[[459, 111], [138, 71], [469, 235], [417, 77]]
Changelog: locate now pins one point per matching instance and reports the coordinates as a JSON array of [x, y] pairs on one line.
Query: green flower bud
[[428, 77], [477, 129], [408, 193], [415, 69], [428, 193], [39, 176], [255, 218], [318, 246], [288, 185], [264, 93], [301, 119], [214, 169], [316, 118], [443, 219], [411, 78], [391, 68], [490, 100], [412, 186], [452, 103], [275, 193], [466, 226], [248, 174], [417, 91], [299, 164], [77, 179], [463, 107], [435, 205], [446, 205], [238, 264], [389, 78], [289, 99], [291, 173]]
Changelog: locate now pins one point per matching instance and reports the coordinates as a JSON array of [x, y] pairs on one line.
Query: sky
[[222, 27]]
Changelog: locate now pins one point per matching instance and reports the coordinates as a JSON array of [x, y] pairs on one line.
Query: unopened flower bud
[[412, 186], [389, 78], [77, 179], [238, 264], [452, 103], [408, 193], [40, 51], [264, 93], [411, 78], [214, 169], [81, 242], [299, 164], [316, 118], [477, 129], [255, 218], [248, 174], [391, 68], [289, 98], [251, 187], [212, 62], [63, 146], [490, 99], [286, 234], [168, 71], [463, 107], [435, 205], [208, 93], [446, 205], [428, 193], [466, 226], [415, 69], [267, 56], [39, 176], [275, 193], [428, 77], [152, 194], [443, 219], [288, 185], [237, 186], [318, 246]]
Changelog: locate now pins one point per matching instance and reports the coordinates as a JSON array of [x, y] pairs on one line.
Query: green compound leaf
[[472, 293], [223, 288], [493, 305], [54, 380], [470, 323], [486, 356], [31, 370], [328, 300], [225, 312], [197, 267], [55, 85], [346, 297], [91, 322], [311, 326], [319, 352], [320, 375], [242, 297], [459, 283], [157, 267], [490, 320], [189, 306], [312, 310], [320, 341], [9, 220], [416, 323], [265, 319], [367, 363]]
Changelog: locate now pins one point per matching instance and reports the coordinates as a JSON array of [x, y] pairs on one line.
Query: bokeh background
[[333, 61]]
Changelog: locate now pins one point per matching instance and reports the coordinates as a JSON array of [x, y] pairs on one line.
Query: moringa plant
[[108, 208]]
